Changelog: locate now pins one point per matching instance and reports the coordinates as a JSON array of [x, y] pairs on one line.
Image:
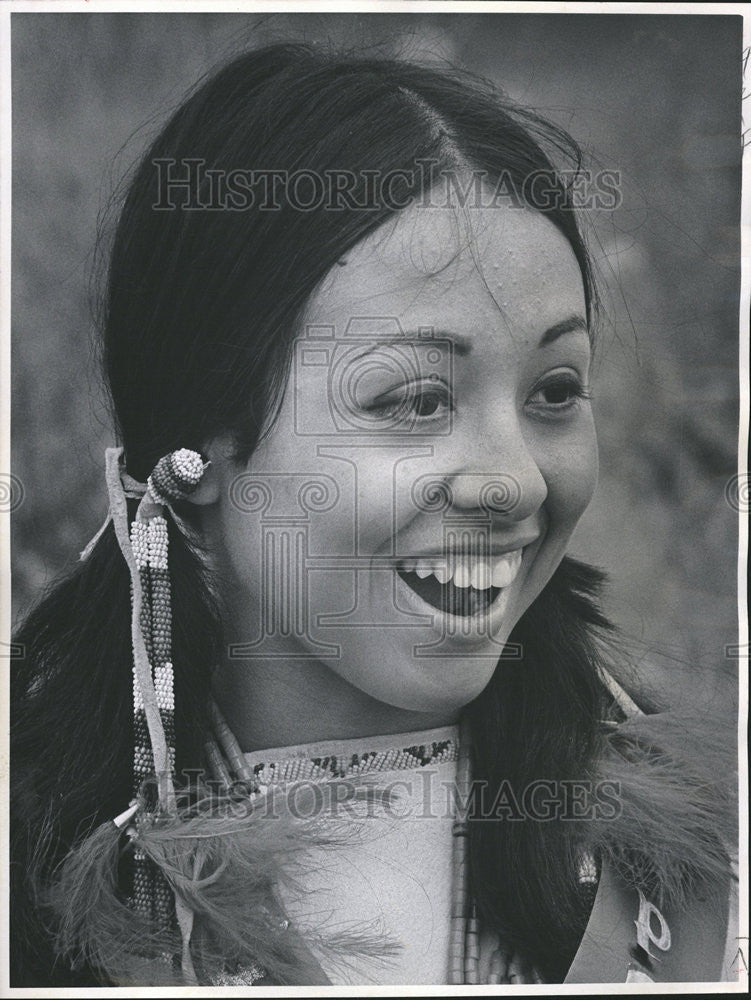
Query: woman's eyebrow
[[462, 346], [426, 335], [423, 337], [571, 325]]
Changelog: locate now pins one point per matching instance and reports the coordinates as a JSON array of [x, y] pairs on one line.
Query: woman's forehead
[[441, 263]]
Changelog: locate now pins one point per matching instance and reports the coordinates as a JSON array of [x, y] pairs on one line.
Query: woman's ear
[[217, 453], [207, 491]]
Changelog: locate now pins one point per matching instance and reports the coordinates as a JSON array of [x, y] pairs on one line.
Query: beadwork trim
[[587, 873], [325, 760], [176, 475], [245, 976], [356, 764]]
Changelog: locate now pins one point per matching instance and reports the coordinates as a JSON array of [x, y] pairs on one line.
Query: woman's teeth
[[461, 585], [467, 571]]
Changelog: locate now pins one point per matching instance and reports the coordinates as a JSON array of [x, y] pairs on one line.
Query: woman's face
[[431, 456]]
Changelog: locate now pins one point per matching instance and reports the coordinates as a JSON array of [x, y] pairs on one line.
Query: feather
[[226, 861], [676, 816], [231, 860]]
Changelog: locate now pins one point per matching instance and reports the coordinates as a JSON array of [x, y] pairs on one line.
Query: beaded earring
[[175, 477], [145, 549]]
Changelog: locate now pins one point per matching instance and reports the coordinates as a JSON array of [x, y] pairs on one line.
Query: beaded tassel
[[161, 629], [472, 948], [144, 875], [175, 477], [459, 889]]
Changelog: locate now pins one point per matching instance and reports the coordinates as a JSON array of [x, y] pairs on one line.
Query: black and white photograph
[[373, 498]]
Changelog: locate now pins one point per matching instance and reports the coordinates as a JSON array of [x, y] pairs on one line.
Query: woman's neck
[[277, 702]]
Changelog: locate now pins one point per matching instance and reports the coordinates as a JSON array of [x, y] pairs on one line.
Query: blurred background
[[654, 97]]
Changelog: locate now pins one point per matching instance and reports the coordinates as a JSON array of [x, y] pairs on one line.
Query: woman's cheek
[[571, 477]]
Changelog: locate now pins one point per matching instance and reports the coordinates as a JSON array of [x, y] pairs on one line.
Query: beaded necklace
[[228, 765]]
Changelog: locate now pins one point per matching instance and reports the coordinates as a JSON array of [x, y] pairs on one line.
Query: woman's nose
[[499, 476]]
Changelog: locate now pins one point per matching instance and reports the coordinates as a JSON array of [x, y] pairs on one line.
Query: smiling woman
[[374, 733], [495, 397]]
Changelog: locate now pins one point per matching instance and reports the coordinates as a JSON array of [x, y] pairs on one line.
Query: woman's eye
[[412, 401], [560, 393], [425, 404]]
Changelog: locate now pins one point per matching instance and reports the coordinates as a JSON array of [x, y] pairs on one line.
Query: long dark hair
[[200, 313]]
